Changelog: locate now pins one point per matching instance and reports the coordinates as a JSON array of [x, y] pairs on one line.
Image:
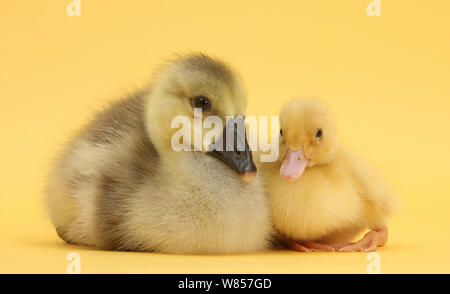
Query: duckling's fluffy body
[[336, 197], [331, 203], [119, 185]]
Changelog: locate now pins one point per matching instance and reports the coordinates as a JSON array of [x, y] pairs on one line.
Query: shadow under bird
[[119, 185]]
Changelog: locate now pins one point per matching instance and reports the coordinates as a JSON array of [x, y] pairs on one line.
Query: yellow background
[[386, 78]]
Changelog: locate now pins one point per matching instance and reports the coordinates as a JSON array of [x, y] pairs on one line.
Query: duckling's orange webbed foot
[[370, 242], [309, 246]]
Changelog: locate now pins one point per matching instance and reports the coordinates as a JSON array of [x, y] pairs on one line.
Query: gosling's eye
[[319, 133], [202, 102], [281, 132]]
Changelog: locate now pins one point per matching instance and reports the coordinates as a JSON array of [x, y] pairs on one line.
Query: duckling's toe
[[370, 242], [297, 247], [309, 246]]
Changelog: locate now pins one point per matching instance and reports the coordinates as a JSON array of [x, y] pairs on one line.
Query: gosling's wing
[[121, 129], [98, 172]]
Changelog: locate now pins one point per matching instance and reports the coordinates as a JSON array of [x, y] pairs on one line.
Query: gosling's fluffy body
[[119, 185], [337, 196]]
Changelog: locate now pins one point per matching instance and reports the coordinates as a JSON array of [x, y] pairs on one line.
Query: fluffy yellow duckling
[[321, 195]]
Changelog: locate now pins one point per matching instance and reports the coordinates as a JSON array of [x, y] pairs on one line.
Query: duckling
[[321, 195], [119, 184]]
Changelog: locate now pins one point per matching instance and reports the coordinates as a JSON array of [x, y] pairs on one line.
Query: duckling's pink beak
[[294, 165]]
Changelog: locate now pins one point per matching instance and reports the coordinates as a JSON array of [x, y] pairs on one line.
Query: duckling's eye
[[281, 132], [319, 133], [202, 102]]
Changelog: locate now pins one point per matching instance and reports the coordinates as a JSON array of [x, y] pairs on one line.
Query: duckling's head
[[307, 137], [187, 85]]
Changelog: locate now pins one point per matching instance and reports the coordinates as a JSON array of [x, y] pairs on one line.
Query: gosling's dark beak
[[232, 148]]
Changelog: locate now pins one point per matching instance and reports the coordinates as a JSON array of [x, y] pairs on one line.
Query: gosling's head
[[197, 82], [307, 137]]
